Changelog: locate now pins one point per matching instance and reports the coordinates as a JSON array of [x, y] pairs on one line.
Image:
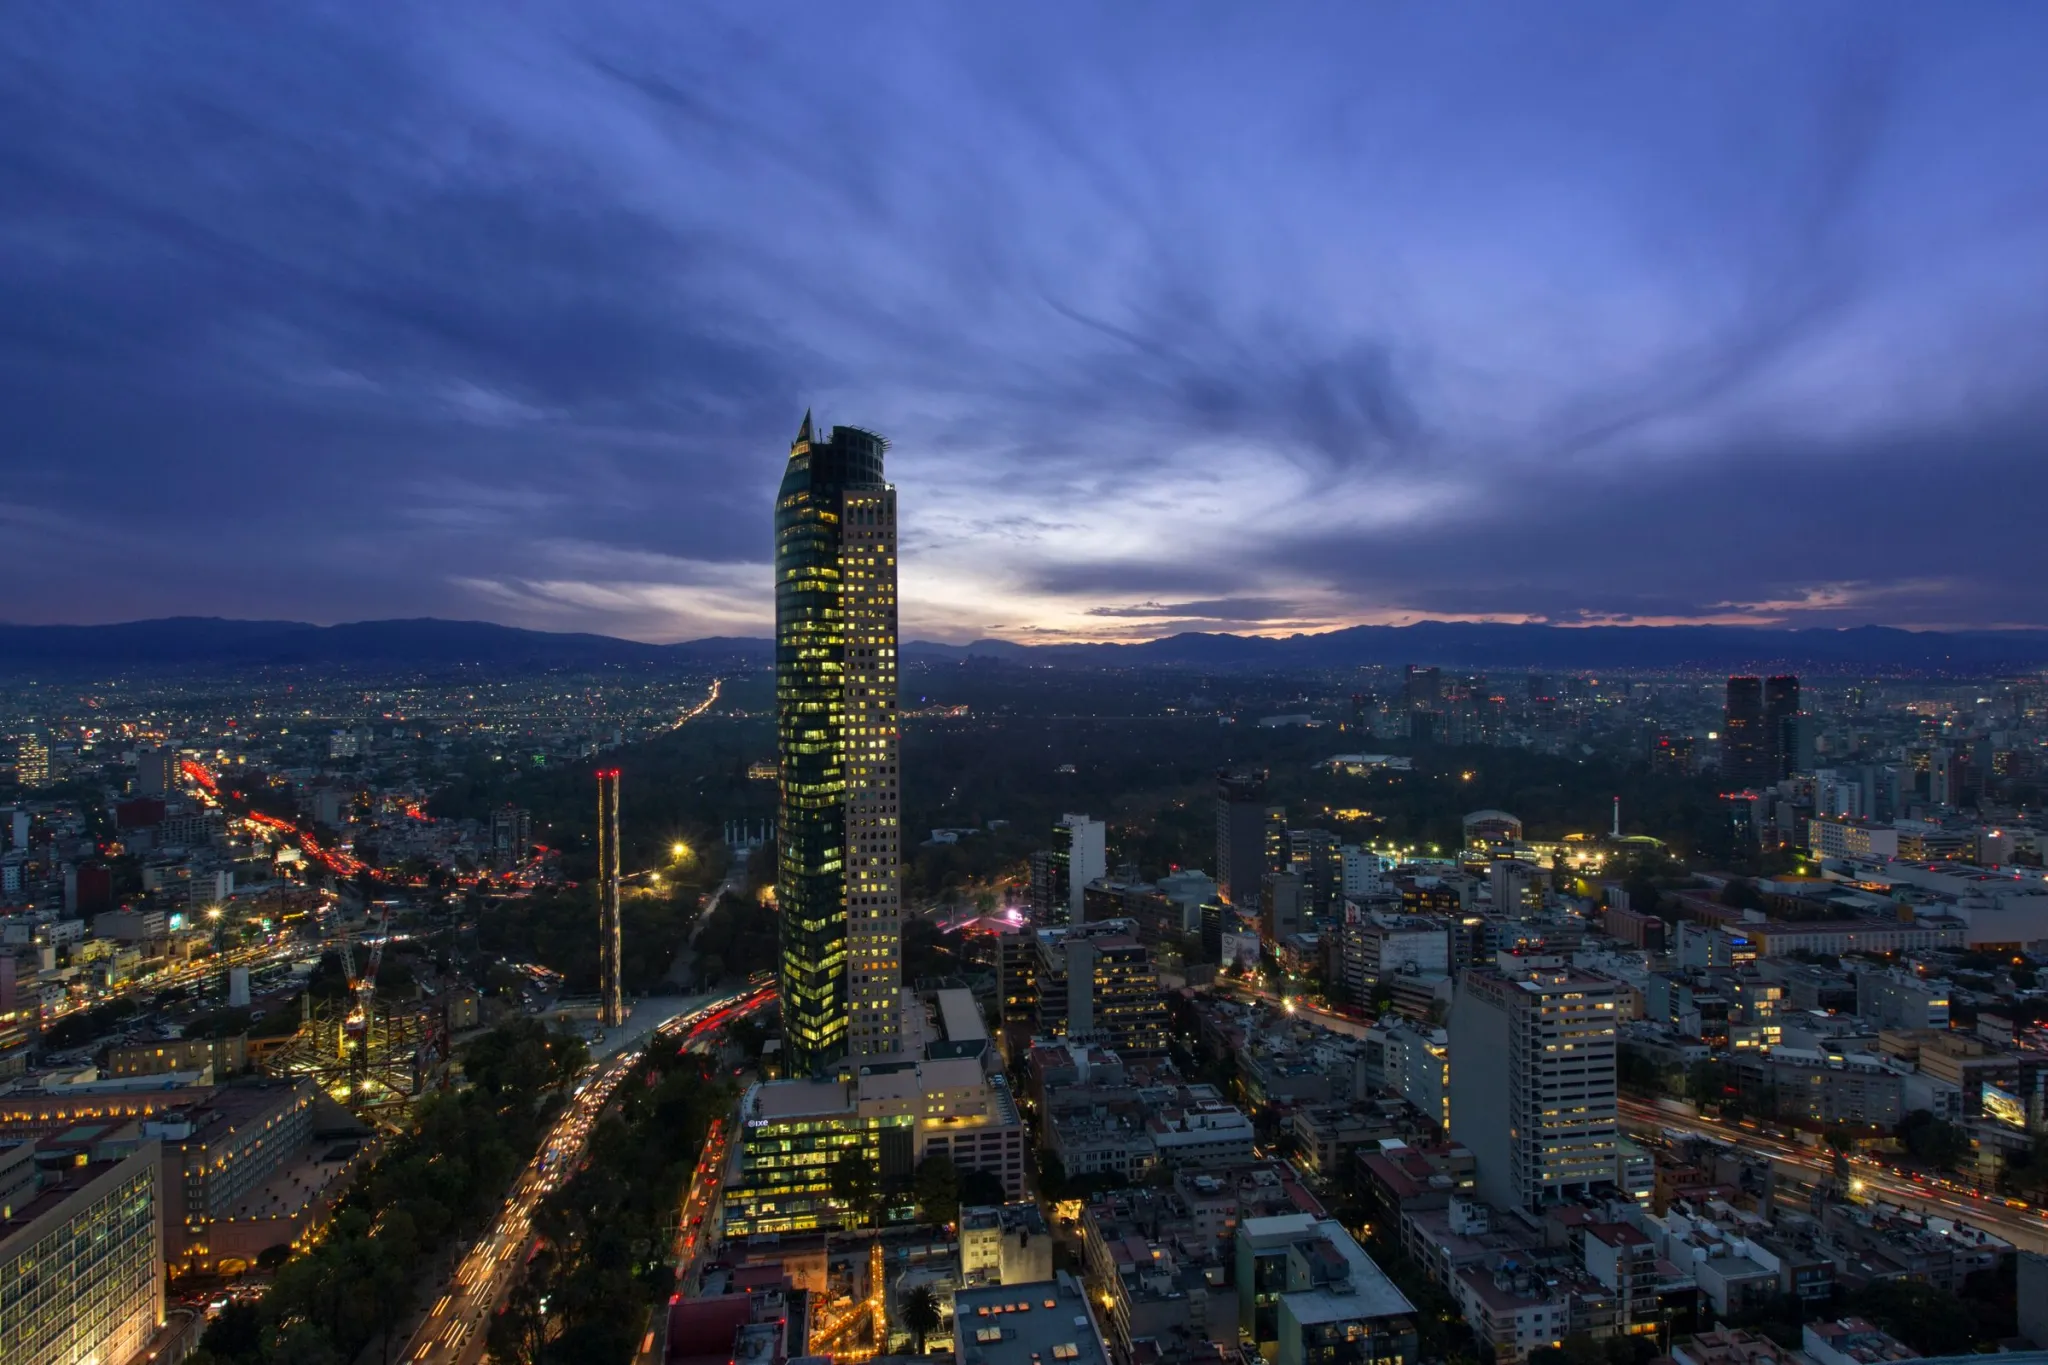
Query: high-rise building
[[1424, 686], [1745, 748], [1316, 856], [1251, 836], [511, 836], [1533, 1080], [1086, 844], [31, 762], [1096, 981], [1781, 725], [81, 1246], [1060, 875], [839, 880], [156, 770], [611, 1009]]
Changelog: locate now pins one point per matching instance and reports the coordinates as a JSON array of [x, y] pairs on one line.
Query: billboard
[[2004, 1106]]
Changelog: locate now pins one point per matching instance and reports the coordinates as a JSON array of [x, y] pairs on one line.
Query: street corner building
[[838, 882]]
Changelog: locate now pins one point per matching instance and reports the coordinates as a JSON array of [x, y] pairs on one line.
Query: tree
[[854, 1187], [1932, 1140], [920, 1312], [938, 1189], [978, 1187]]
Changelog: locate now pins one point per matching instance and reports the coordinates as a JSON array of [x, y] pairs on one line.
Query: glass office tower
[[838, 881]]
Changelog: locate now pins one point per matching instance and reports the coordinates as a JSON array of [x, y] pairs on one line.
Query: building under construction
[[368, 1054]]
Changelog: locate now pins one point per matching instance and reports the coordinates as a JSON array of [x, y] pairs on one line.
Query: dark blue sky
[[1180, 316]]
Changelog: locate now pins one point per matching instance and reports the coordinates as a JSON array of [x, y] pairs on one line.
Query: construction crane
[[363, 989]]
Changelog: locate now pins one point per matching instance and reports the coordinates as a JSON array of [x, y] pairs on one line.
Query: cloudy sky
[[1245, 317]]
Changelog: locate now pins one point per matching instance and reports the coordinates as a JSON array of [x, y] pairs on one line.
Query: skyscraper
[[1745, 753], [611, 1007], [1781, 725], [1250, 836], [839, 881], [1532, 1081]]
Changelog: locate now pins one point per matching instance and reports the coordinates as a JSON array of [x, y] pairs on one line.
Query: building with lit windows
[[945, 1095], [1532, 1086], [31, 762], [1096, 982], [838, 883], [1745, 747], [81, 1251], [1307, 1294], [1251, 836]]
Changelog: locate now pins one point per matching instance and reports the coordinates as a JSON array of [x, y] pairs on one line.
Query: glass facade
[[835, 693], [82, 1281]]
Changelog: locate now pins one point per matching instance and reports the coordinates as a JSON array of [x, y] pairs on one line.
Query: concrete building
[[1894, 998], [1250, 835], [81, 1251], [1050, 1322], [891, 1116], [1305, 1286], [1004, 1244], [1532, 1086], [1096, 981]]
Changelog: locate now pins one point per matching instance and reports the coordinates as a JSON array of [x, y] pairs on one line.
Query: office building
[[1782, 726], [839, 880], [31, 762], [1250, 835], [1060, 875], [1096, 981], [81, 1251], [945, 1096], [511, 836], [1281, 900], [611, 1009], [1317, 858], [156, 770], [1532, 1093], [1745, 746]]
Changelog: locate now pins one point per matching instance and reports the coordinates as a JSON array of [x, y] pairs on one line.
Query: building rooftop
[[1046, 1323], [795, 1099]]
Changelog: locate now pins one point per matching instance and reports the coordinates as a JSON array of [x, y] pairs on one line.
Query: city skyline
[[1259, 323]]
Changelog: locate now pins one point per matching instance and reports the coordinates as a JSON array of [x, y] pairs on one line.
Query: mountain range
[[202, 642]]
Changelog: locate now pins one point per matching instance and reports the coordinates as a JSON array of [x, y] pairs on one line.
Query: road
[[453, 1330], [1336, 1023], [2026, 1228]]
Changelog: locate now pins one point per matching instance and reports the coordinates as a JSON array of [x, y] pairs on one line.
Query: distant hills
[[201, 642]]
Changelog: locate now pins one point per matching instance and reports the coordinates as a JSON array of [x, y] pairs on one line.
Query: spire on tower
[[803, 433]]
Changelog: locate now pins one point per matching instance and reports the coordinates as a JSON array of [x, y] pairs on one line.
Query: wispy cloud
[[1272, 321]]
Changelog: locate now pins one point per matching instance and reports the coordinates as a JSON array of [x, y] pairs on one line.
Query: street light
[[679, 850]]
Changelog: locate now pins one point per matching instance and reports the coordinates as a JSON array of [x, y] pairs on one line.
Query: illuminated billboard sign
[[2004, 1106]]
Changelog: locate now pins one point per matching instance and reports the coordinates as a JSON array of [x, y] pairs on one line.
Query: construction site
[[373, 1055]]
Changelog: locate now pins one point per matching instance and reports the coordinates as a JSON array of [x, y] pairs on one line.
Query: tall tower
[[1532, 1084], [611, 1008], [839, 878], [1781, 725], [1745, 753]]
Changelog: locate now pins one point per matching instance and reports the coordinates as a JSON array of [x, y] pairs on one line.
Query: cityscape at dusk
[[1086, 686]]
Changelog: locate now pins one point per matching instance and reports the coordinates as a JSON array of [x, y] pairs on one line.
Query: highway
[[453, 1330], [2024, 1227]]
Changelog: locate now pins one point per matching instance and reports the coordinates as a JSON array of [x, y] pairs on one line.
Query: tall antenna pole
[[611, 1010], [1617, 817]]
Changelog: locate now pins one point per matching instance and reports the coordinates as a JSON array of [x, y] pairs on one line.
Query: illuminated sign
[[2004, 1106]]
